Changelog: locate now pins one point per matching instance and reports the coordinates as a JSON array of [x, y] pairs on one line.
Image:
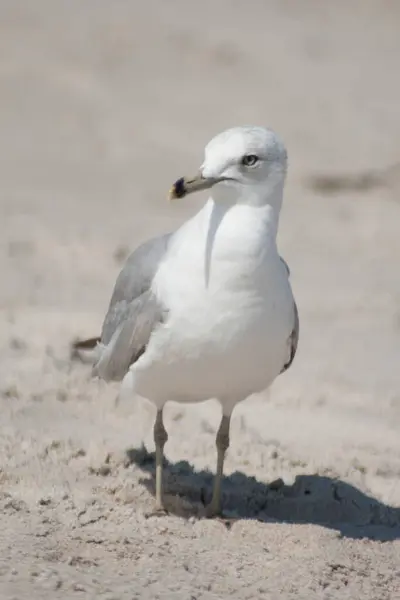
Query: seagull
[[207, 311]]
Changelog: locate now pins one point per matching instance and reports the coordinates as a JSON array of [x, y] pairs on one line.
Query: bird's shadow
[[312, 499]]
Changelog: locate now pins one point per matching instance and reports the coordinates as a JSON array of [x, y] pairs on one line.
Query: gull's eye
[[250, 160]]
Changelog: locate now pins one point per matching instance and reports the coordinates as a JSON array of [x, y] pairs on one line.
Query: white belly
[[227, 330]]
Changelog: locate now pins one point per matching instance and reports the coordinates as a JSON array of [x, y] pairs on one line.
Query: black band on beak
[[179, 189]]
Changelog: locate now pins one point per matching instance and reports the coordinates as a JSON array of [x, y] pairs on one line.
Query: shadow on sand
[[315, 499]]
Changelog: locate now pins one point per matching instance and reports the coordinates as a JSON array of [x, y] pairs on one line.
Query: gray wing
[[294, 336], [286, 265], [293, 340], [133, 313]]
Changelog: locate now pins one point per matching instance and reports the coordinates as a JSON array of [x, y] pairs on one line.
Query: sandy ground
[[102, 105]]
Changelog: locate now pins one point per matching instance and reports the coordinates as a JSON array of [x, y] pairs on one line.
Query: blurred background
[[102, 106]]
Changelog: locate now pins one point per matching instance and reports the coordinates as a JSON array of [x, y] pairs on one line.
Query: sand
[[102, 105]]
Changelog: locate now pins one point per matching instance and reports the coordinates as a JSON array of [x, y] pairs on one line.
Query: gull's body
[[226, 334], [208, 311]]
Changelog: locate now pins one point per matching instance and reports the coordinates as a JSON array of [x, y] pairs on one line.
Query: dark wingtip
[[87, 344]]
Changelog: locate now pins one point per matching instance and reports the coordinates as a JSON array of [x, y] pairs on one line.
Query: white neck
[[264, 203]]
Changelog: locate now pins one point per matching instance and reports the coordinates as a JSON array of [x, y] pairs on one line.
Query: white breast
[[230, 311]]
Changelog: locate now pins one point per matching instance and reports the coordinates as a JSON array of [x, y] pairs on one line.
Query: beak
[[187, 185]]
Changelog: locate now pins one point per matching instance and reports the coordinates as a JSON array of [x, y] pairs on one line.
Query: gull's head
[[243, 164]]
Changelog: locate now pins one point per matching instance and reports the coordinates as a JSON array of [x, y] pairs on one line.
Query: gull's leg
[[222, 443], [160, 438]]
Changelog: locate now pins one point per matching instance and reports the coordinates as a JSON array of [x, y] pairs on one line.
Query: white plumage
[[226, 335]]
